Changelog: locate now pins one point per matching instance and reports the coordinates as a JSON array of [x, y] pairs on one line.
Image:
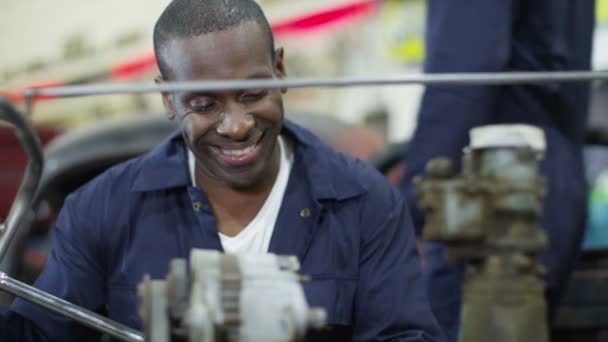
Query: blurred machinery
[[253, 298], [488, 218]]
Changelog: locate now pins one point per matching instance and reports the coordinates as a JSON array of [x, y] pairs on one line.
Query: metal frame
[[20, 214], [21, 211]]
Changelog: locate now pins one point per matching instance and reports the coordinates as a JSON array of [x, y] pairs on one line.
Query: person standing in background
[[502, 36]]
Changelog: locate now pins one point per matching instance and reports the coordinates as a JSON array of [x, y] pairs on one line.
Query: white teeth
[[239, 152]]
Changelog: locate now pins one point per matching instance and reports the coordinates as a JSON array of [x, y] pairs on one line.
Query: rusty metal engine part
[[487, 217]]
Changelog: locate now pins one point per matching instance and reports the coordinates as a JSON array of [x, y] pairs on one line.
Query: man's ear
[[279, 66], [167, 100]]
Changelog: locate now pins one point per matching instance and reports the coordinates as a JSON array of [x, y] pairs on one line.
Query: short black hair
[[191, 18]]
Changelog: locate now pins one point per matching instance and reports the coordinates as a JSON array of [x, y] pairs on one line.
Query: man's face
[[233, 134]]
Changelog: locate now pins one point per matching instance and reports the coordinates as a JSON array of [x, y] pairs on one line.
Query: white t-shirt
[[255, 237]]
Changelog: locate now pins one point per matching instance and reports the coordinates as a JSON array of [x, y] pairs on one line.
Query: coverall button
[[305, 213]]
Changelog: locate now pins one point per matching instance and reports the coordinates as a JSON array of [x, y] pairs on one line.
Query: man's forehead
[[246, 34], [240, 47]]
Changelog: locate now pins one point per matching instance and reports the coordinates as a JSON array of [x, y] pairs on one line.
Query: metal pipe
[[84, 316], [20, 213], [425, 79], [21, 210]]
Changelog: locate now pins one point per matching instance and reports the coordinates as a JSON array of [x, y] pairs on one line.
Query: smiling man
[[237, 178]]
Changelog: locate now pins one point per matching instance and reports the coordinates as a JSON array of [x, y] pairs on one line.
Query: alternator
[[226, 297]]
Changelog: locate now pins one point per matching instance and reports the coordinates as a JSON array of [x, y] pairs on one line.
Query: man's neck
[[233, 208]]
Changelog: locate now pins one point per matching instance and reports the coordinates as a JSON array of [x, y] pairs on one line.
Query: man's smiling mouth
[[239, 155], [240, 152]]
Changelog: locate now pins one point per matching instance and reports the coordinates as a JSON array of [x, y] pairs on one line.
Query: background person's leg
[[443, 280], [564, 213]]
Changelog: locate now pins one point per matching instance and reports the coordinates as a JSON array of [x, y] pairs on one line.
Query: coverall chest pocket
[[335, 295]]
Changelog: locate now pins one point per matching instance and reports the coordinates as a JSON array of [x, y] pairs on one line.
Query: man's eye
[[199, 106], [254, 95]]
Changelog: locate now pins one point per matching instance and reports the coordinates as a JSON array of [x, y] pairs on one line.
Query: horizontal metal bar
[[424, 79], [58, 305]]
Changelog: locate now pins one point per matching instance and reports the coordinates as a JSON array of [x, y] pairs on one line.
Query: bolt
[[439, 168]]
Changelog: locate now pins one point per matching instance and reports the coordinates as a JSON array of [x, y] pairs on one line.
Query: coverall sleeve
[[391, 303], [73, 273], [471, 37]]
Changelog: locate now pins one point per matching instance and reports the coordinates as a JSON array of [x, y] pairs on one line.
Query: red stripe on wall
[[133, 68], [323, 18]]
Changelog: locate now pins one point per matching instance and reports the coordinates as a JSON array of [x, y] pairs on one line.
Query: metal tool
[[488, 218]]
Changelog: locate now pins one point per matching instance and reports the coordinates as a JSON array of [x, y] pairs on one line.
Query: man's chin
[[244, 185], [242, 179]]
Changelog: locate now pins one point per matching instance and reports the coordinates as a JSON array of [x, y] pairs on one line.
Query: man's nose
[[236, 125]]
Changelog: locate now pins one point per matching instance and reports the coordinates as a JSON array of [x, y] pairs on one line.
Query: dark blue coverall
[[497, 36], [356, 244]]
